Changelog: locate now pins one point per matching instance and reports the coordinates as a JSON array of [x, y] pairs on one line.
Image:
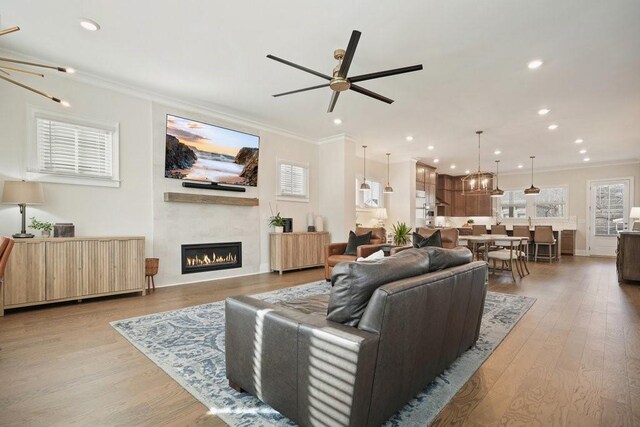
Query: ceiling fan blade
[[332, 103], [386, 73], [348, 56], [299, 67], [301, 90], [367, 92]]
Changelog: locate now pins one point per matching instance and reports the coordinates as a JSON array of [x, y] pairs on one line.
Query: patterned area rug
[[188, 344]]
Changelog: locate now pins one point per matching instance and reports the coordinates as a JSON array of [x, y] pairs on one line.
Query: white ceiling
[[474, 55]]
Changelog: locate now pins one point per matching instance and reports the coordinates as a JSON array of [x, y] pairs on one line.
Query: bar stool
[[543, 236], [479, 230], [523, 231], [499, 229]]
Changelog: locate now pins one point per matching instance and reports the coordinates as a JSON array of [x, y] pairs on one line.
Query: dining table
[[514, 244]]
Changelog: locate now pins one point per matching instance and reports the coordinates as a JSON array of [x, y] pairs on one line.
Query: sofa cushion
[[441, 258], [355, 241], [355, 282], [315, 304], [419, 241]]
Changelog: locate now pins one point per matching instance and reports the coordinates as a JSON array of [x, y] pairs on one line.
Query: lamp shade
[[381, 213], [635, 212], [22, 192]]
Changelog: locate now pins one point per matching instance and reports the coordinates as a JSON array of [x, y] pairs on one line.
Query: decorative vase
[[46, 233], [318, 223], [278, 229]]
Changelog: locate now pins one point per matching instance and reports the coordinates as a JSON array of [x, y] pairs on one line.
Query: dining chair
[[543, 236], [478, 230], [523, 231], [508, 257]]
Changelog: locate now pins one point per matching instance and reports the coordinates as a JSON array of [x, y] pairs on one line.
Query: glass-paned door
[[609, 208]]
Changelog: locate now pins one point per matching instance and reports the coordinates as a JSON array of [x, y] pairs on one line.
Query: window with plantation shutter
[[293, 180], [71, 151]]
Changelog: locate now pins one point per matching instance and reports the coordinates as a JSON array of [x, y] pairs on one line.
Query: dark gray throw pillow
[[441, 258], [419, 241], [355, 241], [355, 282]]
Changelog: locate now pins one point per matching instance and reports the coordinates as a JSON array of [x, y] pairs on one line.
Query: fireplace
[[211, 256]]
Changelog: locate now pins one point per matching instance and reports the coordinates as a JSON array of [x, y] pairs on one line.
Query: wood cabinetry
[[628, 254], [568, 242], [289, 251], [42, 271], [449, 191]]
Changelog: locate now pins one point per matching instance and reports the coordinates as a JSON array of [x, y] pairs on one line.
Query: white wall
[[576, 180], [137, 207], [95, 211]]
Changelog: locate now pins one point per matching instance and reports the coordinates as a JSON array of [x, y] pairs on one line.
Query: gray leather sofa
[[317, 371]]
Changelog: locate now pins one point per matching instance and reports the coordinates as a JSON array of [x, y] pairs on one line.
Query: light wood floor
[[574, 358]]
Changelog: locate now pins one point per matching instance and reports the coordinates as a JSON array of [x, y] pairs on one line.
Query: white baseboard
[[581, 252]]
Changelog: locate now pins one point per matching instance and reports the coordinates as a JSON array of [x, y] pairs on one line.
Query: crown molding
[[337, 138], [212, 110], [572, 167]]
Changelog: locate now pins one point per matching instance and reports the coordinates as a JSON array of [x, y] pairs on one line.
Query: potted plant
[[277, 222], [44, 227], [468, 223], [401, 234]]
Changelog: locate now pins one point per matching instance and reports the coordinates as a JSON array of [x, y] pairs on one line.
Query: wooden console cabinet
[[628, 260], [42, 271], [290, 251]]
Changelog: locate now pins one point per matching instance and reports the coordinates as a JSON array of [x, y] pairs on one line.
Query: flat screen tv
[[197, 151]]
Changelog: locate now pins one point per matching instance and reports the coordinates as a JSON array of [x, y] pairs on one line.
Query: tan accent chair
[[448, 236], [499, 229], [6, 245], [334, 252], [543, 236]]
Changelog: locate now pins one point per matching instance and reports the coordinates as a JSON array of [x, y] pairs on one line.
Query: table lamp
[[381, 215], [634, 217], [22, 193]]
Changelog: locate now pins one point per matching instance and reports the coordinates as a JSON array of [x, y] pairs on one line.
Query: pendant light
[[477, 183], [531, 191], [388, 188], [497, 192], [364, 186]]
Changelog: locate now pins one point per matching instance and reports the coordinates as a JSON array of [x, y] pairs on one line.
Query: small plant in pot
[[44, 227], [277, 222], [401, 234]]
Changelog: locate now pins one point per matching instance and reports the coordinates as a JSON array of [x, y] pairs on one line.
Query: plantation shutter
[[293, 180], [71, 149]]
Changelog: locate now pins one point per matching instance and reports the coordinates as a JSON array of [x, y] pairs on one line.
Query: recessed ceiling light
[[520, 166], [497, 152], [436, 160], [409, 138], [583, 151], [430, 147], [586, 159], [452, 166], [543, 111], [535, 64], [579, 141], [337, 121], [467, 171], [552, 127], [69, 70], [89, 24], [65, 103]]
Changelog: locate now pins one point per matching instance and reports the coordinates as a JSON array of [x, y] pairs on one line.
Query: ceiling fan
[[340, 82]]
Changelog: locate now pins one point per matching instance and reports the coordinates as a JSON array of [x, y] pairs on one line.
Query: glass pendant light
[[364, 186], [497, 192], [531, 191], [388, 188]]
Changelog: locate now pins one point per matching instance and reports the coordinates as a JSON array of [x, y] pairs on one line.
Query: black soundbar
[[213, 186]]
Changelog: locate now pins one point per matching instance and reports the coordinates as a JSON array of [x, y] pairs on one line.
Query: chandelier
[[6, 70], [478, 183]]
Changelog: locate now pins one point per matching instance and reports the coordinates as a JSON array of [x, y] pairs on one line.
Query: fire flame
[[214, 259]]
